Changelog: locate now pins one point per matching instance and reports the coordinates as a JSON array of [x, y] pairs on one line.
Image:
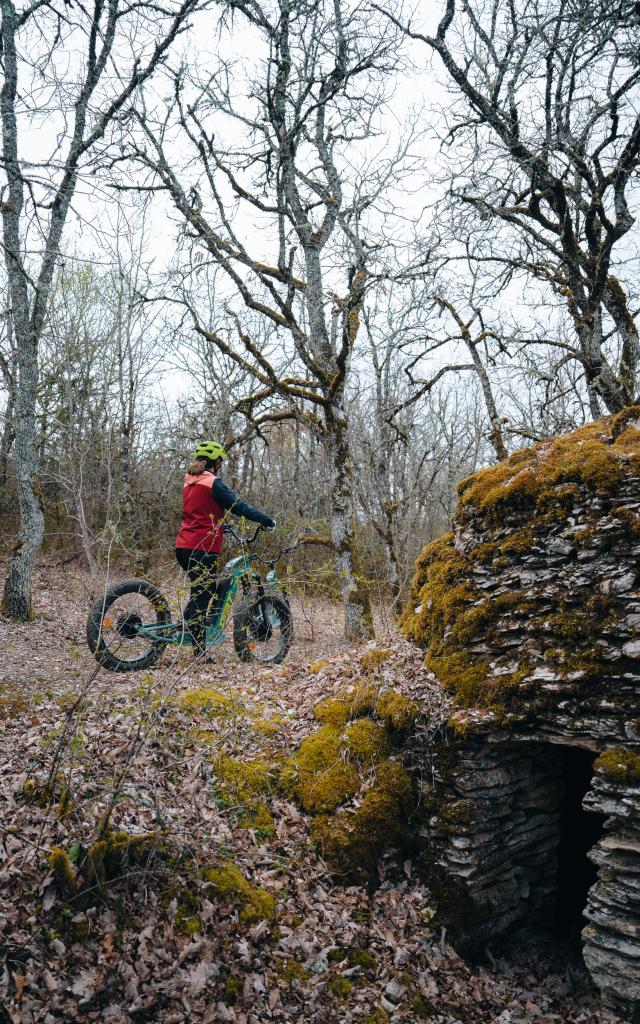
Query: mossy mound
[[355, 703], [320, 773], [528, 597], [109, 859], [371, 660], [228, 883], [211, 703], [353, 840], [245, 784], [549, 475], [348, 775], [244, 779]]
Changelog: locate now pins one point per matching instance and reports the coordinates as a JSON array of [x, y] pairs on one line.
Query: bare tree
[[544, 139], [115, 48], [291, 186], [8, 364]]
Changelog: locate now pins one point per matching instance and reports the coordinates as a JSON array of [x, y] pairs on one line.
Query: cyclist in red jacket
[[205, 500]]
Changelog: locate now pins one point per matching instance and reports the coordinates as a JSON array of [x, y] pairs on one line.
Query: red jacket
[[202, 517]]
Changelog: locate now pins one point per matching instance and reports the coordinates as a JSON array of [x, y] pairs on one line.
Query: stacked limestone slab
[[529, 613], [612, 935]]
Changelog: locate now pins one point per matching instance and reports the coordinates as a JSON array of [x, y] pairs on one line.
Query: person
[[205, 500]]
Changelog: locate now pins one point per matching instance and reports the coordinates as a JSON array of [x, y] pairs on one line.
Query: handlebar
[[227, 528], [249, 541]]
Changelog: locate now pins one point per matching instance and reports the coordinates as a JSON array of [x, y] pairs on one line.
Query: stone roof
[[532, 603]]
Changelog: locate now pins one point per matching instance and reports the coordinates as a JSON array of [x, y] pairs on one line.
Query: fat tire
[[242, 621], [98, 609]]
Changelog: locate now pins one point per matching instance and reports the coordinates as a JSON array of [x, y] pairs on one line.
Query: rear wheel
[[113, 626], [262, 629]]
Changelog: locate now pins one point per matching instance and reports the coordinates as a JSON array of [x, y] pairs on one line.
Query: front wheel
[[262, 629], [115, 621]]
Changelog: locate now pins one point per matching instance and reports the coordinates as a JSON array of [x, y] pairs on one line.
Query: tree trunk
[[392, 556], [358, 620], [617, 305], [17, 587], [9, 371], [601, 380]]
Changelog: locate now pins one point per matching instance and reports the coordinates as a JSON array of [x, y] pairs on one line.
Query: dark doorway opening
[[579, 832]]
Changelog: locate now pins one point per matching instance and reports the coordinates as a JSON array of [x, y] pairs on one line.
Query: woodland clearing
[[151, 940]]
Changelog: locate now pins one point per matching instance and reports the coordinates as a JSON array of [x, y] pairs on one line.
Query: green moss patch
[[81, 873], [320, 773], [371, 660], [211, 703], [595, 458], [620, 765], [227, 882], [353, 841], [356, 703], [514, 508], [366, 741], [349, 775], [244, 779]]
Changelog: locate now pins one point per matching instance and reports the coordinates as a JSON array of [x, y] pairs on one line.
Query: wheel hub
[[128, 625]]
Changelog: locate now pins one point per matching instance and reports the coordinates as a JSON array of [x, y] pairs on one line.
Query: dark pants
[[202, 570]]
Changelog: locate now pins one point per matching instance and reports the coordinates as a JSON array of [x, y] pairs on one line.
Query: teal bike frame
[[238, 572]]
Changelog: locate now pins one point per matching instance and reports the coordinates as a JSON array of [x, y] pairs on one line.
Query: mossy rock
[[620, 765], [504, 512], [353, 842], [595, 458], [352, 755], [357, 703], [211, 703], [227, 882], [398, 713], [371, 660], [244, 779], [320, 773]]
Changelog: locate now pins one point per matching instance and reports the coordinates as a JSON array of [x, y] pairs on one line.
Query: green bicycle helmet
[[209, 450]]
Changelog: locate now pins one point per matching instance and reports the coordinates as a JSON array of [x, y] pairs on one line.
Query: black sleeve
[[230, 502]]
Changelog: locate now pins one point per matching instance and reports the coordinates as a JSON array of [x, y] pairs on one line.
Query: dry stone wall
[[612, 935], [529, 613]]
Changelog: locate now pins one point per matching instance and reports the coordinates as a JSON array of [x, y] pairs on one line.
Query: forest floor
[[146, 942]]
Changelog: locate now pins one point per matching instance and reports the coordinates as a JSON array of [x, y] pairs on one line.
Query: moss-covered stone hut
[[529, 612]]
